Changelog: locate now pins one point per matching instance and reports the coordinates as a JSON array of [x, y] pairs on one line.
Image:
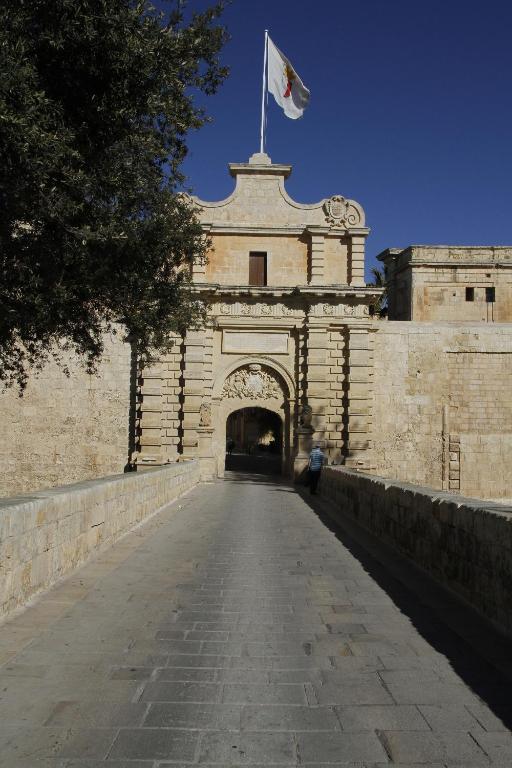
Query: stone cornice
[[452, 264], [271, 292], [447, 256], [274, 169], [244, 229]]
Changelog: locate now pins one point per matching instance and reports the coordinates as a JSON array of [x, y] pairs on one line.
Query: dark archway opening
[[254, 441]]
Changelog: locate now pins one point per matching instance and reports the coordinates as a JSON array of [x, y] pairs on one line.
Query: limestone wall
[[464, 544], [442, 410], [287, 259], [449, 283], [66, 429], [47, 534]]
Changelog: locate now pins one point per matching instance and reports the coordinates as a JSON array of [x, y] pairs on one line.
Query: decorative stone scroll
[[340, 212], [253, 381]]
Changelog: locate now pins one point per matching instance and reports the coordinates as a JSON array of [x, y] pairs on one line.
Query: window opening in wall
[[257, 268], [470, 294], [490, 295]]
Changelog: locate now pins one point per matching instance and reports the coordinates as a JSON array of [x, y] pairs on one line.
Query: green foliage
[[96, 99], [379, 281]]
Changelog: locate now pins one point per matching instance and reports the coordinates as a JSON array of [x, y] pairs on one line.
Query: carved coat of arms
[[339, 212], [251, 382]]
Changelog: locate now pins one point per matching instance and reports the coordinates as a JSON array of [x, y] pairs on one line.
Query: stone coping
[[46, 534], [465, 544], [500, 507], [82, 485]]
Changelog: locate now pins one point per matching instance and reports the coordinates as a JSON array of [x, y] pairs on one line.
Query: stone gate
[[288, 330]]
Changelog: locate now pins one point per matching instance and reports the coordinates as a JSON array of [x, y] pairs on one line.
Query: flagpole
[[262, 130]]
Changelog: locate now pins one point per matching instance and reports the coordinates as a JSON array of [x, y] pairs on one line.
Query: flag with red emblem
[[284, 83]]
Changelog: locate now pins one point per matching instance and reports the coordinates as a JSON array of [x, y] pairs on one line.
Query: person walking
[[316, 462]]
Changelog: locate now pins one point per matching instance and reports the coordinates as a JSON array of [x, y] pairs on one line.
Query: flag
[[284, 83]]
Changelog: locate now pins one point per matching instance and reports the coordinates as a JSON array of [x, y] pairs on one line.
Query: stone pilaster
[[197, 375], [199, 265], [335, 442], [148, 424], [359, 393], [301, 436], [171, 402], [317, 248], [318, 392], [356, 260], [199, 271]]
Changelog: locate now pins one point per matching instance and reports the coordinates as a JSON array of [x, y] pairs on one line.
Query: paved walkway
[[236, 629]]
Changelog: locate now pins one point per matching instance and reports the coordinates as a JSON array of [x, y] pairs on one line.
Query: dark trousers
[[314, 477]]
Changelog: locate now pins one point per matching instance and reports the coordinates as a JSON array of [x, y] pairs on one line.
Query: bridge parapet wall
[[46, 534], [465, 544]]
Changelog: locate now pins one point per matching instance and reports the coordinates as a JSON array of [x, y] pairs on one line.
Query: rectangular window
[[490, 295], [257, 268], [470, 294]]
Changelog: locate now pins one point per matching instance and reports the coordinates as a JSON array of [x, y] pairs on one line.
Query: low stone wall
[[465, 544], [46, 534]]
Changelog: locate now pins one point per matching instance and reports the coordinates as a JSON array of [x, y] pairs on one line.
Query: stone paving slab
[[236, 629]]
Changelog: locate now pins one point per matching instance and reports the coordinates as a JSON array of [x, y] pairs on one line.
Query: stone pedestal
[[207, 460], [304, 446]]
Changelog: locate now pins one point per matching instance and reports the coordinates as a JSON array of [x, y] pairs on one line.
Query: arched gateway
[[242, 395], [288, 331], [254, 441]]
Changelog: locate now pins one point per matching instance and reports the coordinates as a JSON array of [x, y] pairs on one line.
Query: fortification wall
[[66, 429], [442, 411]]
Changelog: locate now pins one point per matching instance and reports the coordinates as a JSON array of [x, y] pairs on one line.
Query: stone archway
[[254, 441], [251, 384]]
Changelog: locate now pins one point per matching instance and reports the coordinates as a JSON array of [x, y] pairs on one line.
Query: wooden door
[[257, 268]]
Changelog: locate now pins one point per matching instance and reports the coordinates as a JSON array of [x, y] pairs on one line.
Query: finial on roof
[[260, 158]]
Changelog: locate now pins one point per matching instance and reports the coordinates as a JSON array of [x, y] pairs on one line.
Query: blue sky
[[410, 113]]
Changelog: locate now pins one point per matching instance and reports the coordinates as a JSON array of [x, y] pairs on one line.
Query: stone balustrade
[[46, 534], [465, 544]]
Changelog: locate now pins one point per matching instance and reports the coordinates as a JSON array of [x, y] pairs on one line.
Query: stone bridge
[[152, 620]]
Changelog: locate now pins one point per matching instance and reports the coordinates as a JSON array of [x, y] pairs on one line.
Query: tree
[[96, 100], [380, 306]]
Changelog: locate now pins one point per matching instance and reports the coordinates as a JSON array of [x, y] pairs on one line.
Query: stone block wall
[[442, 409], [66, 429], [464, 544], [45, 535], [287, 259], [449, 283]]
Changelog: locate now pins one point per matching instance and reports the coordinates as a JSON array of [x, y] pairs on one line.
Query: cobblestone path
[[236, 629]]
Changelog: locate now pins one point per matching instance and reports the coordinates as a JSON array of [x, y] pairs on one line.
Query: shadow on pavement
[[257, 463], [253, 477], [441, 618]]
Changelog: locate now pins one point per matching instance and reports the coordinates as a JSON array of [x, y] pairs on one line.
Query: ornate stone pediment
[[253, 381]]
